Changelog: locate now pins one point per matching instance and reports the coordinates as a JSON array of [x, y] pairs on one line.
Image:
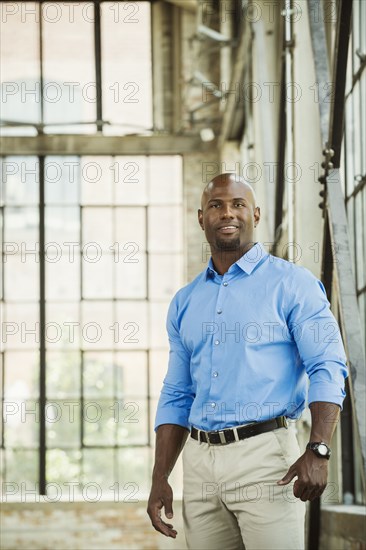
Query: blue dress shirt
[[244, 344]]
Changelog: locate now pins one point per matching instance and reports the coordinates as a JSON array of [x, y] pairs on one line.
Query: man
[[245, 336]]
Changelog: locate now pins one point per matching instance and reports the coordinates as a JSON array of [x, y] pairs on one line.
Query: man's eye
[[214, 205], [239, 204]]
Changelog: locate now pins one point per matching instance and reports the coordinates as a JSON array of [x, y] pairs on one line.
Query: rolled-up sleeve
[[318, 339], [177, 394]]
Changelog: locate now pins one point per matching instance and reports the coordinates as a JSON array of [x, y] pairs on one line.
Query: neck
[[223, 259]]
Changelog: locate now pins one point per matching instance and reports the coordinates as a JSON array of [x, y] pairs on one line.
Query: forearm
[[170, 440], [324, 419]]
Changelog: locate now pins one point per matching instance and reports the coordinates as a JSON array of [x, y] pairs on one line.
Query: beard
[[227, 244]]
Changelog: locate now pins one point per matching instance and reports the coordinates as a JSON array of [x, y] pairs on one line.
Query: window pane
[[165, 275], [21, 277], [129, 176], [62, 275], [21, 374], [98, 275], [63, 374], [132, 421], [63, 328], [131, 374], [132, 325], [62, 225], [62, 180], [158, 369], [20, 66], [68, 65], [20, 180], [63, 467], [130, 228], [22, 467], [98, 375], [131, 273], [21, 328], [127, 93], [165, 179], [100, 422], [21, 423], [97, 325], [134, 473], [97, 228], [165, 228], [21, 230], [158, 313], [96, 180], [98, 468], [63, 423]]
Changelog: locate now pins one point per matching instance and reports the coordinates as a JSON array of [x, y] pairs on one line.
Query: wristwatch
[[320, 448]]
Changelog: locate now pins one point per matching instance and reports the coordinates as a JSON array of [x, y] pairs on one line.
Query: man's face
[[228, 216]]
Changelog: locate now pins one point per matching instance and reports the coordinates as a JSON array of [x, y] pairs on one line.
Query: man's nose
[[226, 211]]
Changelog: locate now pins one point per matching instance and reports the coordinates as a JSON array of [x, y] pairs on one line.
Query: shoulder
[[290, 270]]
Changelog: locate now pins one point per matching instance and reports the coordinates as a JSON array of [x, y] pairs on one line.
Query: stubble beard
[[226, 245]]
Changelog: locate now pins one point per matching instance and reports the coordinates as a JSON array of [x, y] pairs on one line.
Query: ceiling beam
[[190, 5], [64, 144]]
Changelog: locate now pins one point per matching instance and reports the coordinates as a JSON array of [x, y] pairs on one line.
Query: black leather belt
[[229, 435]]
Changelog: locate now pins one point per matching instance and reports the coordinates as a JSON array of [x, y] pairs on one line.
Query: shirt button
[[225, 283], [217, 342], [215, 374], [213, 405], [219, 311]]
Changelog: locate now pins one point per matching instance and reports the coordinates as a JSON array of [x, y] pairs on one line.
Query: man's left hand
[[312, 474]]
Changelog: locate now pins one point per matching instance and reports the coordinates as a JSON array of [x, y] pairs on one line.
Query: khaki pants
[[230, 497]]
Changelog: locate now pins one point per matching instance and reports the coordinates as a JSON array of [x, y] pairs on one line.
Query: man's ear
[[200, 218], [257, 215]]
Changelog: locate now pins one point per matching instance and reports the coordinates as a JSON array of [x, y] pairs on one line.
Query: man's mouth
[[228, 229]]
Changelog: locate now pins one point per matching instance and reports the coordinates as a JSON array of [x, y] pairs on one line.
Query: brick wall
[[84, 526]]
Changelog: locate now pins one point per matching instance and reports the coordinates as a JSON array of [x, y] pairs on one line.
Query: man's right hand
[[161, 496]]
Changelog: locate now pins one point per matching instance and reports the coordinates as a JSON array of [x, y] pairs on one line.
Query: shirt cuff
[[324, 391], [172, 415]]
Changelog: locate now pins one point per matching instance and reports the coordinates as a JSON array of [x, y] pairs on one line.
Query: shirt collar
[[247, 263]]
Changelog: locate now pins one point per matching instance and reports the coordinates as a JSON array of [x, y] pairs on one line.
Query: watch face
[[322, 450]]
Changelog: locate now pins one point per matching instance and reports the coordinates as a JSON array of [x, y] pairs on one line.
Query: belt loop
[[235, 433], [199, 436]]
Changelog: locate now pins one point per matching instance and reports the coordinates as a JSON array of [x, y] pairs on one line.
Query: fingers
[[168, 506], [288, 477], [307, 490], [154, 511]]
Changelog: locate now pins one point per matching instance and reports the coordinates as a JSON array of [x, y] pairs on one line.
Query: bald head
[[223, 180]]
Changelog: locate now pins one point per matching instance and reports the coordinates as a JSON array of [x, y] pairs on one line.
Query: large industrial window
[[67, 68], [354, 151], [92, 254], [354, 179]]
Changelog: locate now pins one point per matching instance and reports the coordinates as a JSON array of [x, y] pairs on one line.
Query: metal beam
[[322, 72], [340, 54], [349, 312], [237, 80], [332, 133], [64, 144]]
